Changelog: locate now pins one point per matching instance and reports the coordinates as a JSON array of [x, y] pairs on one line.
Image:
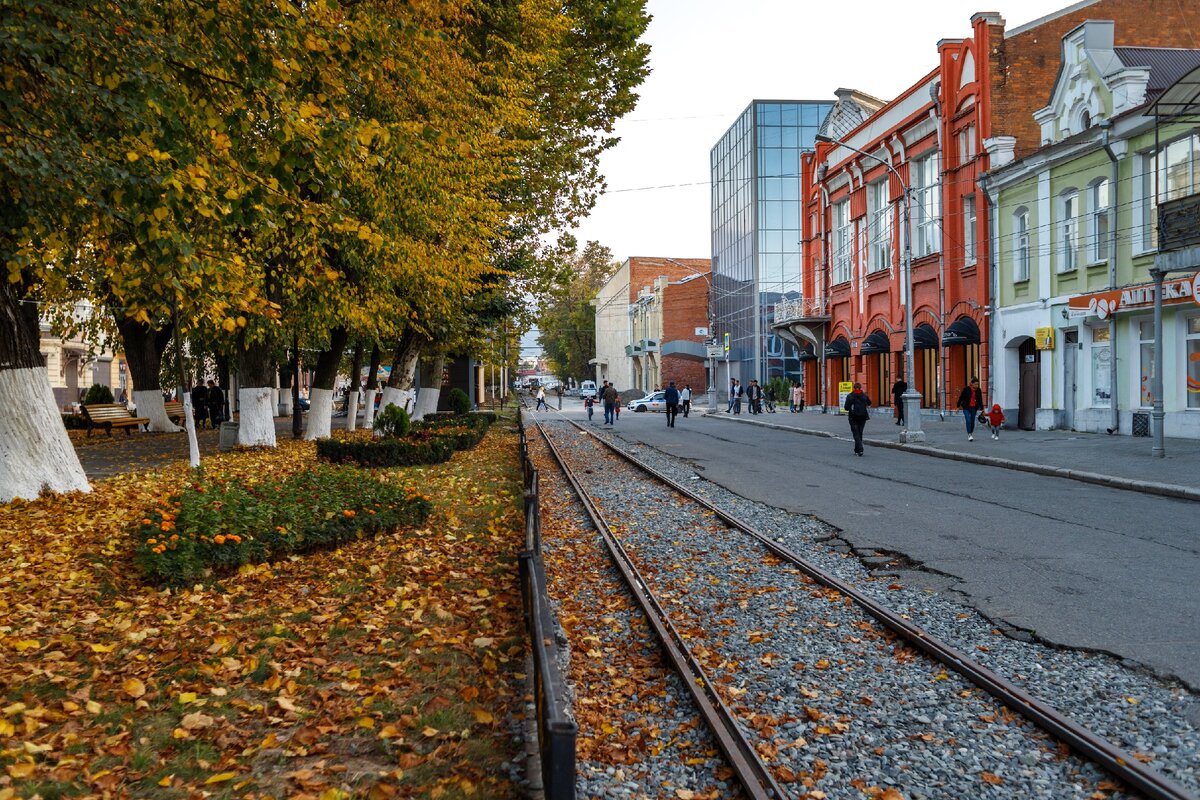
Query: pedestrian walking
[[559, 391], [588, 403], [541, 399], [610, 397], [995, 419], [971, 403], [685, 399], [671, 398], [617, 408], [738, 391], [216, 404], [754, 397], [796, 399], [733, 391], [857, 408], [200, 403], [898, 390]]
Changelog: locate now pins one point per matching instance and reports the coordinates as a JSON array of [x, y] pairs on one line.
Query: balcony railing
[[802, 309]]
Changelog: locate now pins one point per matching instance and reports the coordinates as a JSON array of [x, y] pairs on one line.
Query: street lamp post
[[911, 398]]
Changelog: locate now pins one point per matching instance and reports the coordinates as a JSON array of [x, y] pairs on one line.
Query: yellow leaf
[[221, 777], [197, 720], [229, 324], [133, 687], [605, 727], [366, 722], [483, 717], [430, 732], [22, 769], [167, 780], [286, 704], [389, 732], [187, 697], [132, 156], [93, 707], [160, 213], [103, 648], [7, 728], [331, 275], [26, 644]]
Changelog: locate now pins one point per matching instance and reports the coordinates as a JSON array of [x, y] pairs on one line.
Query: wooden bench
[[109, 416], [174, 411]]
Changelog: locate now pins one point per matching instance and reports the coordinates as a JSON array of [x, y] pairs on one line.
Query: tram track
[[1122, 766]]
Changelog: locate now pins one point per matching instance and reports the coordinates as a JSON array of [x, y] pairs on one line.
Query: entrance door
[[1070, 352], [1029, 389]]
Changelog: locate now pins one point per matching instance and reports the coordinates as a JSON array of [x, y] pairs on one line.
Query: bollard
[[229, 437]]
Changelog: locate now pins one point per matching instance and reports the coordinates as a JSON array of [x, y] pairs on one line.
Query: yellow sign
[[844, 389], [1044, 338]]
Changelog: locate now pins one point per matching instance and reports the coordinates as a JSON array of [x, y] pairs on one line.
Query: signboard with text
[[844, 389], [1105, 304]]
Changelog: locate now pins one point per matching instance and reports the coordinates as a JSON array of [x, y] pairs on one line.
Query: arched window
[[1085, 120]]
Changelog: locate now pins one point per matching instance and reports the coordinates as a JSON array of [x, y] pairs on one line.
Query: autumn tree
[[567, 318]]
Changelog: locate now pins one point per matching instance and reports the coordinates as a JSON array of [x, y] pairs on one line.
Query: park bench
[[174, 411], [109, 416]]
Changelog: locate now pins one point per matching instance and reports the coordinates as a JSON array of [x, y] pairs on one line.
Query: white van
[[587, 389]]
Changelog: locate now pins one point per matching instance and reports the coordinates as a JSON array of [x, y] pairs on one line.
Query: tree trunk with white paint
[[372, 388], [355, 383], [256, 392], [352, 409], [285, 390], [35, 451], [320, 397], [404, 398], [431, 387], [144, 348], [399, 389]]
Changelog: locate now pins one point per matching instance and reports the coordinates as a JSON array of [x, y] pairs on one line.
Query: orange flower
[[235, 538], [174, 537], [219, 539], [151, 541], [348, 513], [166, 526], [146, 521]]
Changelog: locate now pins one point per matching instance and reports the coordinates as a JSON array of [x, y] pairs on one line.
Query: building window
[[1148, 203], [1068, 232], [1193, 362], [880, 251], [1101, 368], [1177, 168], [927, 208], [1098, 215], [968, 233], [1021, 245], [966, 144], [1146, 357], [843, 240]]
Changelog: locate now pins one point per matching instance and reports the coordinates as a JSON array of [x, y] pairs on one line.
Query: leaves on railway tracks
[[991, 778], [389, 667]]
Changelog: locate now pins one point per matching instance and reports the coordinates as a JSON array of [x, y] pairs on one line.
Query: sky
[[710, 58]]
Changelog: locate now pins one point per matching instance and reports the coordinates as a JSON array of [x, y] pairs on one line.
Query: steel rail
[[754, 775], [1109, 757]]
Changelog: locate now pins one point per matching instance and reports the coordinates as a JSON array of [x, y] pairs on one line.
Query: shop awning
[[838, 348], [877, 342], [962, 331], [926, 338]]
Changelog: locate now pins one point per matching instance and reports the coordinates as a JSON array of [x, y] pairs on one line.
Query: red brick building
[[983, 90]]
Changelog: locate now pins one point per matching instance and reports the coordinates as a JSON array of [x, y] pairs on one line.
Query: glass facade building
[[756, 249]]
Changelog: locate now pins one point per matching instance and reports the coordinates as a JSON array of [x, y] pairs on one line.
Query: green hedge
[[388, 452], [214, 526]]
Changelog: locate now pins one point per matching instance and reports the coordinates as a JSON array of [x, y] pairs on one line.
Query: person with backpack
[[857, 408], [671, 398]]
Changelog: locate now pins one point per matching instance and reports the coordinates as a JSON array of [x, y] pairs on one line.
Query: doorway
[[1029, 383], [1070, 354]]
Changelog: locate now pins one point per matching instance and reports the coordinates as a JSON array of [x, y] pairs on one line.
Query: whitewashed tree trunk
[[150, 405], [320, 414], [404, 398], [35, 451], [256, 425], [426, 402], [285, 402], [189, 425], [369, 409], [352, 410]]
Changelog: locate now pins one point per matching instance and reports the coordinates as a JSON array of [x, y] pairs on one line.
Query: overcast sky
[[710, 58]]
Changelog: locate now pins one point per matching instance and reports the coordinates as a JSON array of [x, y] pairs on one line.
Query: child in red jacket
[[995, 419]]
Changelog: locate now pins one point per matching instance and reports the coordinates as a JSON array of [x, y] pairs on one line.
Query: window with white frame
[[1068, 231], [1148, 202], [966, 144], [1192, 368], [1020, 245], [1098, 216], [879, 254], [927, 207], [1146, 357], [1101, 368], [843, 241], [968, 231]]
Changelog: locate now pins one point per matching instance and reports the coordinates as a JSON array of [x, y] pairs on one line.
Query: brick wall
[[643, 270], [685, 308], [1023, 67]]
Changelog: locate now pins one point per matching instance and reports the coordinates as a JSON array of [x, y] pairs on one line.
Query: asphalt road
[[1080, 565]]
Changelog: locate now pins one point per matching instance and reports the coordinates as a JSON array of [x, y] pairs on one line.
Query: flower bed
[[216, 525], [463, 430], [431, 441]]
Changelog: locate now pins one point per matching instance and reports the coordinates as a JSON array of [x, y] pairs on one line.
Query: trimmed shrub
[[393, 421], [216, 525], [458, 401], [390, 452], [98, 393]]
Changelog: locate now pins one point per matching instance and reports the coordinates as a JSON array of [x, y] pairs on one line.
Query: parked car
[[587, 389], [652, 402]]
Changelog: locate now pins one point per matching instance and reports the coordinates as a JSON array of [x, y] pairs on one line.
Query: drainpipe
[[935, 116], [1113, 382], [819, 349], [993, 286]]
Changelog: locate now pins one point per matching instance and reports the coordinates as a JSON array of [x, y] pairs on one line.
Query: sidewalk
[[1122, 462]]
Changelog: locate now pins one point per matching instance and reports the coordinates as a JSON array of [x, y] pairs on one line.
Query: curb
[[1082, 476]]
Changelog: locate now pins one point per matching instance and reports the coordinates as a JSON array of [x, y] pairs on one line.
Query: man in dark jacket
[[856, 407], [898, 390], [609, 396], [671, 398], [216, 404], [199, 403]]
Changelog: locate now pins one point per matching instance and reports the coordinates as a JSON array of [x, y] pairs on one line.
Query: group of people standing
[[970, 402], [677, 400], [208, 404]]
